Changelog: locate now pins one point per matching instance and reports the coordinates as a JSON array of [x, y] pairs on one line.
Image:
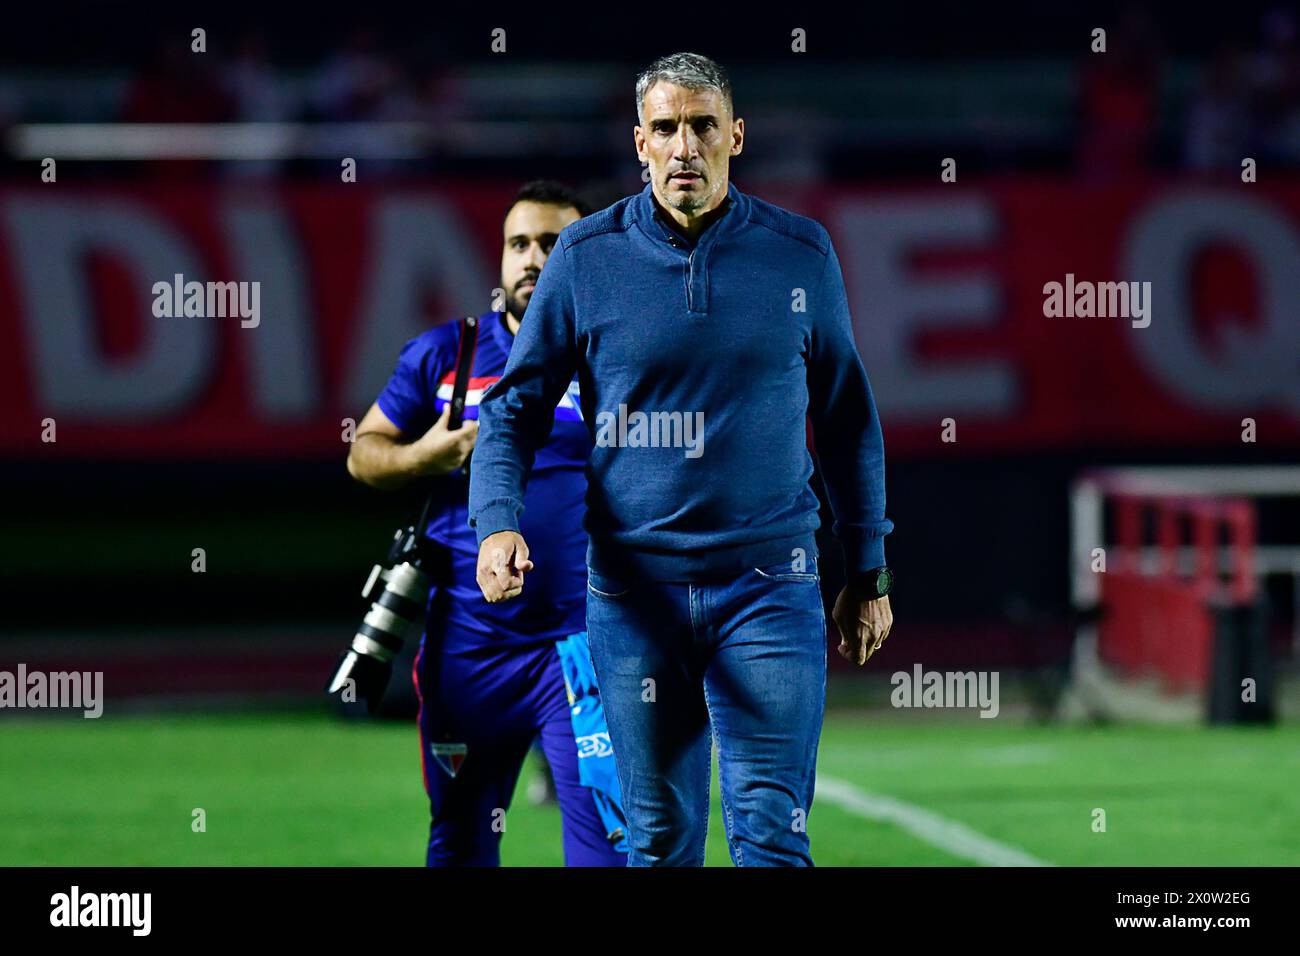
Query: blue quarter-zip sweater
[[697, 366]]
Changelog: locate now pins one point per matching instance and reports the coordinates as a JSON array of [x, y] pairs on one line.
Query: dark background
[[96, 559]]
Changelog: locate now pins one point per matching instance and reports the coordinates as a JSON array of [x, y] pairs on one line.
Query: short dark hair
[[691, 70], [549, 193]]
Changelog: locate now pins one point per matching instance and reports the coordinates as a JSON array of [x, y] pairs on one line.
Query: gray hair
[[690, 70]]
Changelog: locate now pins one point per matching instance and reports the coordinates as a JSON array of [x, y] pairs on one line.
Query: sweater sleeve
[[846, 426], [517, 413]]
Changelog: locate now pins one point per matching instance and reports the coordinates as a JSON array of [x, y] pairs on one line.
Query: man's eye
[[547, 247]]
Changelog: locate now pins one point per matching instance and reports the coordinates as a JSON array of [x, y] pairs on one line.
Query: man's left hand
[[864, 624]]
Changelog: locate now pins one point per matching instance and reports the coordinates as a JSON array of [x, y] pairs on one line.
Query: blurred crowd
[[1136, 107], [357, 82], [1244, 101], [1248, 102]]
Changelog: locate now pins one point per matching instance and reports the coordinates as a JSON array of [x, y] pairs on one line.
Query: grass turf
[[305, 789]]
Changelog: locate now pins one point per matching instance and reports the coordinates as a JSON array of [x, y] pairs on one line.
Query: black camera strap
[[459, 387], [464, 365]]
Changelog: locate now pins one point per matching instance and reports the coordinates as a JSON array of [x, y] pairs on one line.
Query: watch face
[[884, 581]]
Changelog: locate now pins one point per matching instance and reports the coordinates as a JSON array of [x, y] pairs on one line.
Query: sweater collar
[[652, 220]]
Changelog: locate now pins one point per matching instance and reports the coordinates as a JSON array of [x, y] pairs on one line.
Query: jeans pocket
[[785, 571], [602, 585]]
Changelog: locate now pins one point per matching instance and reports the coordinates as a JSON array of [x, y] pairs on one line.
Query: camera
[[394, 612], [412, 559]]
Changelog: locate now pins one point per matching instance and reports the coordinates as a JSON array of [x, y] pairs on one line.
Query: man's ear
[[638, 140], [737, 137]]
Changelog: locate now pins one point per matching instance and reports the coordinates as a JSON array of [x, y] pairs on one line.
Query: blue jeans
[[746, 657]]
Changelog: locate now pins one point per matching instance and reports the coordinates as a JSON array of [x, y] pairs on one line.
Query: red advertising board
[[950, 288]]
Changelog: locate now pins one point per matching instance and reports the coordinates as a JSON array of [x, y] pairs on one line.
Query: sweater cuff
[[502, 515], [864, 552]]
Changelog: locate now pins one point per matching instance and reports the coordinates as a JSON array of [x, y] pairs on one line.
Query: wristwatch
[[876, 583]]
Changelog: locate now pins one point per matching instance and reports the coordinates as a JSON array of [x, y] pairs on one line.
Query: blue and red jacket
[[553, 603]]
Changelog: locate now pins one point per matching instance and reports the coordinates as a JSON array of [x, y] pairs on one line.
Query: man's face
[[688, 140], [531, 229]]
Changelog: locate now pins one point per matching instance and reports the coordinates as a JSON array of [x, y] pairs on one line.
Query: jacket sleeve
[[846, 426], [517, 413]]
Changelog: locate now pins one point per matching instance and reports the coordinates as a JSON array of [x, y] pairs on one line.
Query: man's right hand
[[502, 561], [440, 450]]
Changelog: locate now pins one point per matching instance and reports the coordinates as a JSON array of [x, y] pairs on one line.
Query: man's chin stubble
[[688, 203], [516, 308], [691, 202]]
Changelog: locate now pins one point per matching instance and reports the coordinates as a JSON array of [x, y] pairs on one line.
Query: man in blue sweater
[[705, 327]]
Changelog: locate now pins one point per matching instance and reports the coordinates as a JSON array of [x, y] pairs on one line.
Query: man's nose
[[684, 147], [536, 256]]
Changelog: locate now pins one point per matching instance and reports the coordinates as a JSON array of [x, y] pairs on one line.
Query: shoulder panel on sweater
[[615, 218], [800, 228]]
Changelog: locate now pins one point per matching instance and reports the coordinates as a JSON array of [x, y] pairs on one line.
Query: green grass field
[[300, 789]]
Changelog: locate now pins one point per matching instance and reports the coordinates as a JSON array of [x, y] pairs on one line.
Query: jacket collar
[[494, 323], [652, 222]]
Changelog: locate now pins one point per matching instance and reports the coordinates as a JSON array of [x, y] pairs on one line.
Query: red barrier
[[1157, 613]]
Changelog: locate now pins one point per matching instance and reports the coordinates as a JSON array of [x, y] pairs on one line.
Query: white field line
[[952, 837]]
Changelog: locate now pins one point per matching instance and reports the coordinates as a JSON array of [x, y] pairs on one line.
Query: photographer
[[492, 677]]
